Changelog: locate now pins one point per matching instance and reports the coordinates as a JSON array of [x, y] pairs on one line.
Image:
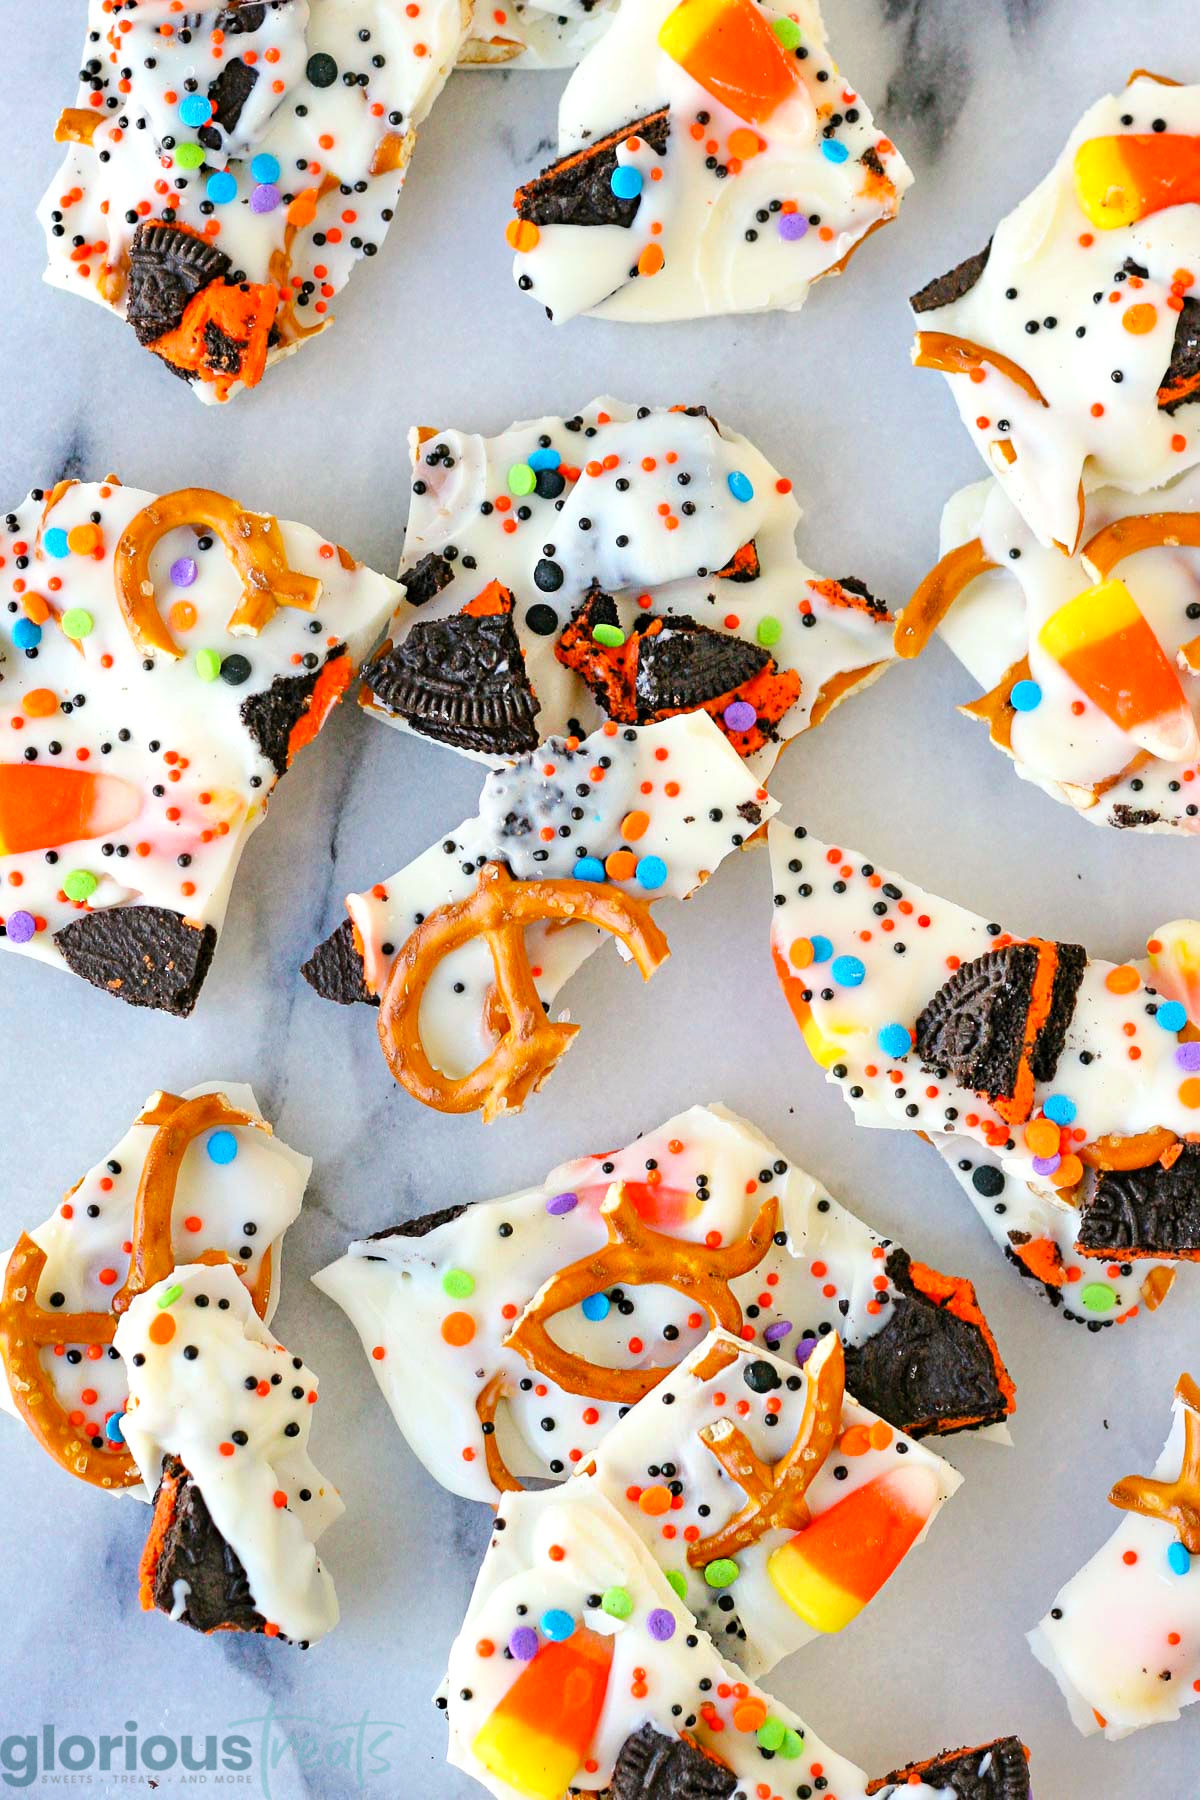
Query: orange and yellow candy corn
[[539, 1734], [729, 48], [1120, 180], [42, 807], [1103, 642], [828, 1572]]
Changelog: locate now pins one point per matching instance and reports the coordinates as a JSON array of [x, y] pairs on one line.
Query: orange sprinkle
[[458, 1328], [1123, 980], [162, 1328], [521, 235]]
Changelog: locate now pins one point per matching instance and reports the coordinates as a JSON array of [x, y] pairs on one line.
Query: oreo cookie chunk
[[462, 680], [945, 289], [335, 969], [995, 1771], [272, 716], [1182, 379], [652, 1766], [609, 668], [419, 1228], [998, 1025], [934, 1368], [426, 579], [743, 565], [145, 955], [577, 189], [1155, 1211], [682, 665], [187, 1569], [228, 94], [168, 265]]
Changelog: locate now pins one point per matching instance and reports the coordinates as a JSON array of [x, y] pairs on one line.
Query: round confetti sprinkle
[[26, 635], [195, 109], [1046, 1165], [77, 623], [678, 1580], [626, 182], [804, 1350], [222, 1147], [557, 1625], [792, 1745], [1026, 696], [1187, 1056], [722, 1573], [184, 571], [114, 1434], [895, 1040], [458, 1284], [1060, 1108], [617, 1602], [770, 1734], [788, 32], [21, 927], [596, 1307], [1178, 1560], [661, 1625], [321, 70], [521, 479], [189, 156], [589, 868], [739, 715], [822, 949], [54, 542], [651, 872], [266, 198], [523, 1643], [544, 457], [1098, 1298], [1171, 1015], [740, 485], [610, 635], [208, 664], [80, 884], [792, 227], [561, 1204], [221, 187], [235, 669], [265, 167], [768, 631], [833, 151], [848, 971]]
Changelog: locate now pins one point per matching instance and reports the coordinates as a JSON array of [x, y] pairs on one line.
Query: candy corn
[[1102, 640], [538, 1735], [42, 807], [1120, 180], [828, 1572], [729, 48], [1174, 953]]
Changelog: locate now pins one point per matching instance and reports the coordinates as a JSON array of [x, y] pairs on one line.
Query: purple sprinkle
[[792, 226], [184, 571], [1045, 1165], [21, 927], [739, 715], [1188, 1056], [775, 1334], [562, 1203], [804, 1349], [523, 1643], [661, 1625], [265, 199]]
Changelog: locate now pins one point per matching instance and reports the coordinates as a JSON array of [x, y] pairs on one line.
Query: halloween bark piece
[[1070, 343], [649, 562], [529, 34], [1062, 1090], [166, 659], [217, 1420], [766, 173], [1123, 1636], [221, 180], [508, 1336], [573, 1596], [995, 1771], [1090, 665], [468, 946], [197, 1177]]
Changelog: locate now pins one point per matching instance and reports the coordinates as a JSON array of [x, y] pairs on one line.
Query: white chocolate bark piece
[[1007, 624], [745, 201], [570, 1592], [674, 517], [210, 1385], [1123, 1636], [838, 928], [237, 1190], [435, 1303], [268, 200], [1072, 377], [137, 769], [671, 1469]]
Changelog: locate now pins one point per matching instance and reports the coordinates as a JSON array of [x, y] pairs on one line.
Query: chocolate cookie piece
[[1128, 818], [335, 969], [419, 1228], [426, 579], [1181, 382], [682, 665], [652, 1766], [945, 289], [462, 681], [577, 189], [743, 565], [995, 1771], [228, 94], [272, 716], [1144, 1212], [934, 1367], [241, 17], [168, 265], [879, 609], [188, 1570], [145, 955]]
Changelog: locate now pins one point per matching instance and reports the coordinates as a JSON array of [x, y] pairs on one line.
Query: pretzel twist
[[255, 545], [1176, 1503], [487, 1404], [531, 1044], [1139, 531], [959, 356], [937, 594], [636, 1256]]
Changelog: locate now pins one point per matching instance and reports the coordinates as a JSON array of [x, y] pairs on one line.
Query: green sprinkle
[[521, 479], [792, 1745], [170, 1295], [77, 623], [208, 664], [617, 1602], [770, 1733], [80, 884], [1098, 1298], [458, 1284], [678, 1581], [769, 631], [612, 635], [189, 156], [788, 32], [722, 1573]]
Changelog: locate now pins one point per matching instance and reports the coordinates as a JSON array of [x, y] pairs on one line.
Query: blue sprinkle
[[596, 1306], [221, 187], [589, 868], [847, 971], [1060, 1108], [265, 167], [833, 151], [1026, 695], [114, 1434], [1178, 1560], [894, 1040], [26, 635], [1171, 1015], [195, 109], [222, 1147], [557, 1625], [54, 542], [822, 949], [626, 182], [544, 457], [651, 871], [740, 486]]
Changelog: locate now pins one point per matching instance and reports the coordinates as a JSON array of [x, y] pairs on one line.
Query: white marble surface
[[980, 95]]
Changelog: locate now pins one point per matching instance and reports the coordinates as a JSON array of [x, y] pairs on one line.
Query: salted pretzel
[[636, 1256], [255, 545], [26, 1329], [959, 356], [1140, 531], [1176, 1503], [530, 1045], [937, 594], [776, 1493]]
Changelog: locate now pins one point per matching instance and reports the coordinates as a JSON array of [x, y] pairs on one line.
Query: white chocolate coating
[[534, 34], [189, 1407]]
